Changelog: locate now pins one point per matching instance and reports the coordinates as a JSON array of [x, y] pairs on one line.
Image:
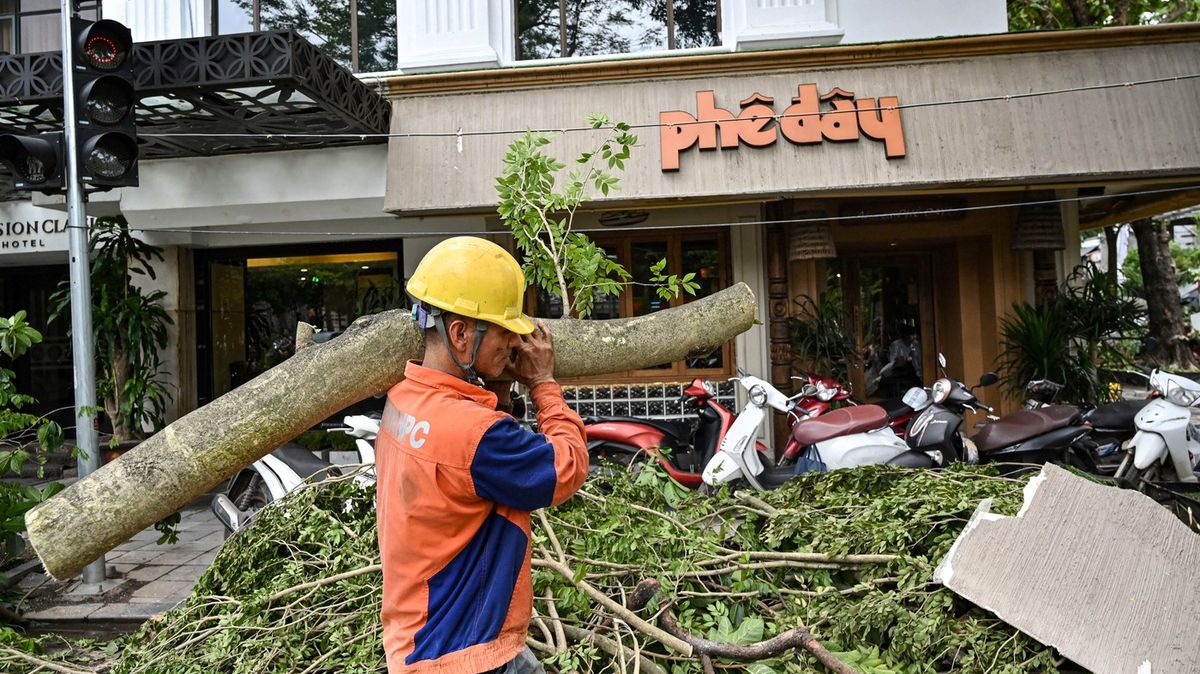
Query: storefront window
[[704, 254], [256, 302], [561, 28], [45, 371], [359, 34]]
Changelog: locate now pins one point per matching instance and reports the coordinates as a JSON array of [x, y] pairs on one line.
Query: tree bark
[[1169, 346], [198, 451], [1110, 252]]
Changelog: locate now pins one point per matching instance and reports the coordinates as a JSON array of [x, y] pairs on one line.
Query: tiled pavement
[[144, 578]]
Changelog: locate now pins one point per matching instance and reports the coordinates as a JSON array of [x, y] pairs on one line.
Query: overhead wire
[[925, 212], [459, 133]]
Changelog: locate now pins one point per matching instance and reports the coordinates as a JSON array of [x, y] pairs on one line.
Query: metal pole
[[82, 348]]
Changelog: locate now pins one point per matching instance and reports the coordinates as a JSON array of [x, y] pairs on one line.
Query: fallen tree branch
[[671, 642], [324, 581], [817, 557], [611, 647], [797, 637], [199, 450], [757, 503], [45, 664]]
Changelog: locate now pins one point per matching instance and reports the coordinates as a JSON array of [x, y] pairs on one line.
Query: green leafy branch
[[541, 215]]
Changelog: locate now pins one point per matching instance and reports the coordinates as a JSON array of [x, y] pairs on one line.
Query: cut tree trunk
[[1169, 347], [198, 451]]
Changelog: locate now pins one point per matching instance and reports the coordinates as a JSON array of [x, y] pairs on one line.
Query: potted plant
[[129, 327]]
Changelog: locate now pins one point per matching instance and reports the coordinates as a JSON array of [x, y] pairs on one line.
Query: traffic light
[[36, 161], [105, 104]]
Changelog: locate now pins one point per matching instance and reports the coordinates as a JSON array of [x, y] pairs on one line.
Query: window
[[359, 34], [32, 26], [250, 301], [704, 253], [559, 28]]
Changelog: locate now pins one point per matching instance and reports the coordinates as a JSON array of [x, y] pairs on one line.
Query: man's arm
[[529, 470]]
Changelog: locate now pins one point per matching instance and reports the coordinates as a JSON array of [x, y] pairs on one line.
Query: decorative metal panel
[[269, 82]]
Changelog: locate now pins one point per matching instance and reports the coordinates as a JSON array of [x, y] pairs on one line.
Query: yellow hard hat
[[473, 277]]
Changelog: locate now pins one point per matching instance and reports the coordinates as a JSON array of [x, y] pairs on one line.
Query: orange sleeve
[[565, 431]]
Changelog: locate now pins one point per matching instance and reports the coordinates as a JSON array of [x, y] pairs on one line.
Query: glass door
[[255, 303], [891, 311]]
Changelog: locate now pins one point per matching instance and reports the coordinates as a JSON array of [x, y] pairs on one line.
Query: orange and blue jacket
[[457, 481]]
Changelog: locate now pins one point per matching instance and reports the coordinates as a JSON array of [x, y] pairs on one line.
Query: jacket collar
[[432, 378]]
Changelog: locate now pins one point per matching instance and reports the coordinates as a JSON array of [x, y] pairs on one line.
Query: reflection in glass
[[7, 28], [623, 26], [325, 24], [702, 257], [256, 307], [40, 32], [233, 16]]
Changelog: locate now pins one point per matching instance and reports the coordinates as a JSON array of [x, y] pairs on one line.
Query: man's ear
[[459, 333]]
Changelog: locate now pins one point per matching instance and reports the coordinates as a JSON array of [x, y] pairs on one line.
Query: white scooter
[[1166, 447], [850, 436], [273, 476]]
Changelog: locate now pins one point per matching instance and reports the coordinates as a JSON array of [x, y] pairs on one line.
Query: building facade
[[910, 158]]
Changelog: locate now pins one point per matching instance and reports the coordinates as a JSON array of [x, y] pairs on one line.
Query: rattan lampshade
[[810, 240], [1038, 227]]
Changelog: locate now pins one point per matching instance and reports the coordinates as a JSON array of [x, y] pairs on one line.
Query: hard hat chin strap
[[481, 328]]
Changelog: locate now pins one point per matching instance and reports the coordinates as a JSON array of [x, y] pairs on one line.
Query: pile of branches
[[831, 572]]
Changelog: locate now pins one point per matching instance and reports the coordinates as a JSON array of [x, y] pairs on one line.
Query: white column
[[161, 19], [752, 351], [772, 24], [453, 34]]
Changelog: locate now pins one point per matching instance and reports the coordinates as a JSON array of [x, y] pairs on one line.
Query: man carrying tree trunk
[[458, 477]]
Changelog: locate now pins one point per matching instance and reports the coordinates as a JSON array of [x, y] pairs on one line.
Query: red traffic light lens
[[103, 52]]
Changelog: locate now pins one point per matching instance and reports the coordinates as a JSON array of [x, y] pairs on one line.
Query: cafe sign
[[811, 118]]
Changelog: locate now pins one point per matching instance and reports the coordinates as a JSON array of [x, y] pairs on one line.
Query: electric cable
[[460, 133], [739, 223]]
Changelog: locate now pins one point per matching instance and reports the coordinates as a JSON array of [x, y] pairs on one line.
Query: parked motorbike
[[828, 392], [937, 429], [619, 440], [273, 476], [1112, 423], [845, 437], [1166, 447], [1052, 434]]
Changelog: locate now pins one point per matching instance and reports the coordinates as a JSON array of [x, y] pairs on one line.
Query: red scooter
[[622, 440]]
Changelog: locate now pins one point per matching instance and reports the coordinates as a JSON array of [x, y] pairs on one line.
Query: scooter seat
[[681, 431], [301, 459], [844, 421], [1117, 415], [1025, 424]]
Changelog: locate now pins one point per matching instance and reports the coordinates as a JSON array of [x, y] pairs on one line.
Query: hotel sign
[[25, 228], [804, 122], [33, 234]]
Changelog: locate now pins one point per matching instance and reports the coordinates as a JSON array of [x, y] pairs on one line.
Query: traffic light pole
[[82, 347]]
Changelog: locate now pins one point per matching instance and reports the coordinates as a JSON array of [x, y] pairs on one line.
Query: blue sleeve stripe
[[514, 467]]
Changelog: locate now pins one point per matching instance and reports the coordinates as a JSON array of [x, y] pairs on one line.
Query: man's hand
[[534, 361]]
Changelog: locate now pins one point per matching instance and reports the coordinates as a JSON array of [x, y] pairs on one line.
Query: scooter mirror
[[941, 360], [988, 379], [808, 390]]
